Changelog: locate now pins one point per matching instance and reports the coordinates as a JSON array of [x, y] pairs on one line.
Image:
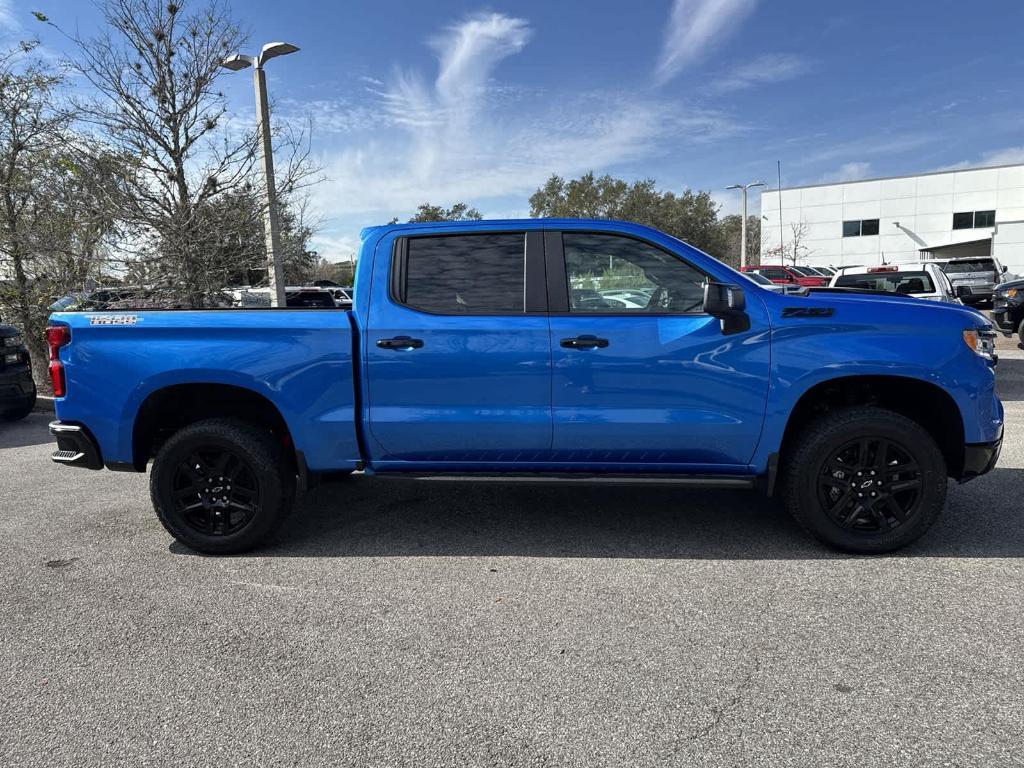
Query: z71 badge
[[113, 320]]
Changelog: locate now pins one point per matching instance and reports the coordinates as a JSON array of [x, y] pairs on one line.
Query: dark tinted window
[[600, 267], [466, 274], [851, 228], [963, 220], [774, 273], [869, 227], [984, 218]]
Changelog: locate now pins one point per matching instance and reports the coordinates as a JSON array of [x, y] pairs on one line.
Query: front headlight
[[981, 341], [12, 341]]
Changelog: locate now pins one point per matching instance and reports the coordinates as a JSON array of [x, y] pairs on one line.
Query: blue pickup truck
[[548, 350]]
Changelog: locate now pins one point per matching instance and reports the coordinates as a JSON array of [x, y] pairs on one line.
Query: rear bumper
[[76, 446], [980, 458]]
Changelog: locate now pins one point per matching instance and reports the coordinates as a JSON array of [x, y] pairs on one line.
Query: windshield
[[890, 282], [969, 265], [759, 279], [803, 271]]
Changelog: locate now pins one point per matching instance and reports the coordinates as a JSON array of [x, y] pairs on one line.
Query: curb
[[44, 404]]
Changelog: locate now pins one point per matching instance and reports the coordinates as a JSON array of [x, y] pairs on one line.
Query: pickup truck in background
[[476, 349]]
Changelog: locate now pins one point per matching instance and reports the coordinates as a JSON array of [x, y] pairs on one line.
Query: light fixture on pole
[[236, 62], [743, 223]]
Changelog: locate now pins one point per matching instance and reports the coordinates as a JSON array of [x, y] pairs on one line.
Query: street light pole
[[743, 223], [272, 236]]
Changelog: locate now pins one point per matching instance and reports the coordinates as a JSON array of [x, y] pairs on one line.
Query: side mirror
[[962, 291], [1004, 270], [728, 304]]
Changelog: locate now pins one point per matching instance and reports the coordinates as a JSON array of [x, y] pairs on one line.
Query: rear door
[[458, 352], [651, 388]]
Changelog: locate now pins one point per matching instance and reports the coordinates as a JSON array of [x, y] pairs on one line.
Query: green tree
[[458, 212], [60, 193], [732, 231], [690, 216]]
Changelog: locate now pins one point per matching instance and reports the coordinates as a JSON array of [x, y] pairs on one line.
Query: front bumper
[[980, 458], [76, 447]]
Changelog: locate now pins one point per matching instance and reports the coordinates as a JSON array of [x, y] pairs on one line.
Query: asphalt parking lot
[[395, 624]]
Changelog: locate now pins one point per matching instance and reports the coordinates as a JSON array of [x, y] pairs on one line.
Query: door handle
[[400, 342], [584, 342]]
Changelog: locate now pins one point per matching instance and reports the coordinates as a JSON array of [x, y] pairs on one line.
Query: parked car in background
[[978, 275], [768, 285], [826, 271], [922, 280], [1008, 308], [17, 390], [785, 275]]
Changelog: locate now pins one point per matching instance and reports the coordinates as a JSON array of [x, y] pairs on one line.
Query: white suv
[[921, 279]]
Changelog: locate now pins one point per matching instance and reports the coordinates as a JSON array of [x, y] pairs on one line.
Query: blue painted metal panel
[[300, 360], [478, 390]]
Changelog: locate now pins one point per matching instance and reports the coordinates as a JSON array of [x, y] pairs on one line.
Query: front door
[[458, 352], [642, 378]]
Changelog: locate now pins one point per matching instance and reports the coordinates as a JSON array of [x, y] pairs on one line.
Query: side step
[[701, 481]]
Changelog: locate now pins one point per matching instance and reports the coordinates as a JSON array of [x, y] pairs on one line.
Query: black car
[[17, 390], [1008, 308]]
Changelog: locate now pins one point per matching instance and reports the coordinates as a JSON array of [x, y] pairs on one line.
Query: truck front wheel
[[221, 486], [865, 480]]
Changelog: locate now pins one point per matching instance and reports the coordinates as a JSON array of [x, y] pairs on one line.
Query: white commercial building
[[946, 214]]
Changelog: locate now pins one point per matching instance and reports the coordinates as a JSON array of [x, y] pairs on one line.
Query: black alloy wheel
[[870, 485]]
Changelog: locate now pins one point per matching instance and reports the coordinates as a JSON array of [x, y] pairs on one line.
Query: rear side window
[[466, 274]]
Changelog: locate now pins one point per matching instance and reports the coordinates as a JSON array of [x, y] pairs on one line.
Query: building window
[[860, 227], [974, 219], [963, 220], [984, 219]]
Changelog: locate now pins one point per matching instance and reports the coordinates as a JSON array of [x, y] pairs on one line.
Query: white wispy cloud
[[464, 136], [9, 22], [694, 27], [867, 146], [768, 68], [848, 172], [1005, 156]]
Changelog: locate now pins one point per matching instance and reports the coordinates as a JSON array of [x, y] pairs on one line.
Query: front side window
[[466, 274], [775, 273], [609, 273]]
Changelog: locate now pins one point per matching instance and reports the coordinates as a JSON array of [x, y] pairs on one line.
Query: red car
[[783, 275]]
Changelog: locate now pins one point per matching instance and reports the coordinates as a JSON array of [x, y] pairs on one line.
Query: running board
[[701, 481]]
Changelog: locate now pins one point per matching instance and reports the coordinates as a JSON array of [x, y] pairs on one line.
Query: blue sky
[[453, 100]]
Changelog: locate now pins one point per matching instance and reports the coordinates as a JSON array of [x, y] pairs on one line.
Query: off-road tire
[[267, 465], [814, 449]]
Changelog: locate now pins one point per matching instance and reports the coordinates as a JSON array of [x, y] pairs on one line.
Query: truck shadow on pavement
[[380, 518]]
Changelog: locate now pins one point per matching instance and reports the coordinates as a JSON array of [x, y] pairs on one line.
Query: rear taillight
[[56, 337]]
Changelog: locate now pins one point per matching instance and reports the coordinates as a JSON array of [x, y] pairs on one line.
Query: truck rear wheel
[[221, 486], [865, 480]]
